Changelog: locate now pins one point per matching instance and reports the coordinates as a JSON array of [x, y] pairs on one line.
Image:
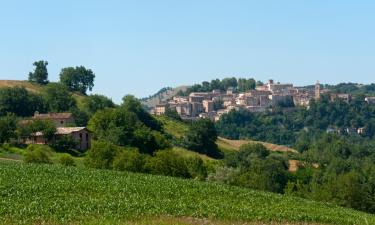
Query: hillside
[[62, 195], [32, 87], [35, 88], [162, 97]]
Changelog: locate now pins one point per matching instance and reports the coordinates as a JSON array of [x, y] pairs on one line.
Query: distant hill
[[162, 96], [50, 194]]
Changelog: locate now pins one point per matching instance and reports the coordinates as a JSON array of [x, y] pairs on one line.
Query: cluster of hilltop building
[[214, 104]]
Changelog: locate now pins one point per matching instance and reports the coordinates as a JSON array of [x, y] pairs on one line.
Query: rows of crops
[[53, 194]]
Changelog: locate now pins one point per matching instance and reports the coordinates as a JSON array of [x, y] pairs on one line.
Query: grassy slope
[[34, 88], [53, 194]]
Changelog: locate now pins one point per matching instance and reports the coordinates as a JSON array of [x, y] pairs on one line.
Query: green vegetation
[[67, 195], [241, 84], [40, 74], [77, 79]]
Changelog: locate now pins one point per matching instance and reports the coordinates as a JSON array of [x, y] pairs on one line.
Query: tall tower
[[317, 90]]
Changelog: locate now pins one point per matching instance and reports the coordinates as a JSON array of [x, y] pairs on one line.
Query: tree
[[8, 127], [101, 155], [46, 127], [40, 74], [93, 103], [19, 101], [77, 79], [202, 137], [168, 163], [58, 98]]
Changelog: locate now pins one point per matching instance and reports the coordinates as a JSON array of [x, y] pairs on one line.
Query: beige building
[[59, 119], [160, 109], [208, 105], [79, 134]]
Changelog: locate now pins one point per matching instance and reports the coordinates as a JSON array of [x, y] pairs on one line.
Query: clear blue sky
[[137, 47]]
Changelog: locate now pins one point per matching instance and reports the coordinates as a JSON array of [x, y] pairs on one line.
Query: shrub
[[38, 154], [64, 144], [196, 167], [66, 160], [168, 163], [129, 160], [101, 155]]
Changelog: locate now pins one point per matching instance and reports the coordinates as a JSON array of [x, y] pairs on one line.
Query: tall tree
[[77, 79], [40, 74], [58, 98], [202, 138]]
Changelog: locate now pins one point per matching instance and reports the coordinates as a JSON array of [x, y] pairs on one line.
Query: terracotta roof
[[53, 116]]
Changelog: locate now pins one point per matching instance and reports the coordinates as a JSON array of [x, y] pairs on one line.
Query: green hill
[[49, 194], [33, 87]]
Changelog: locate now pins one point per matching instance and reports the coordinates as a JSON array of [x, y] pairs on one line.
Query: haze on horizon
[[138, 47]]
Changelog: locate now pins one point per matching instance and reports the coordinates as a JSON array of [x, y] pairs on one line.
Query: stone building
[[79, 134], [59, 119]]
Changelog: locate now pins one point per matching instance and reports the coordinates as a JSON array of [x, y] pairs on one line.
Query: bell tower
[[317, 90]]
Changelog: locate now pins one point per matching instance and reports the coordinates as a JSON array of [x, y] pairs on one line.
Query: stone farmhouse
[[63, 122]]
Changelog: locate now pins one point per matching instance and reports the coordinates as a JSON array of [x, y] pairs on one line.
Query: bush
[[129, 160], [66, 160], [38, 154], [64, 144], [196, 167], [101, 155], [168, 163]]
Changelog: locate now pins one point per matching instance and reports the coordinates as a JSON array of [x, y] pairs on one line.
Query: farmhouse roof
[[52, 115]]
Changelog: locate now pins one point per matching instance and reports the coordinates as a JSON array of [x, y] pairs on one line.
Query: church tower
[[317, 90]]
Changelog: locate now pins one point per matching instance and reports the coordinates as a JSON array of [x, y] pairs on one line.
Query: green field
[[50, 194]]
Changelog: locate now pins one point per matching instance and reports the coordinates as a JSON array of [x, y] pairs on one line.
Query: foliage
[[19, 101], [172, 113], [58, 98], [65, 143], [240, 84], [46, 127], [72, 195], [38, 154], [202, 137], [77, 79], [301, 125], [257, 169], [129, 125], [40, 74], [101, 155], [8, 125], [129, 160], [93, 103], [66, 160], [168, 163]]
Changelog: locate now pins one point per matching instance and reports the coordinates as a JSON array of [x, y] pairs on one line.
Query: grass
[[37, 194], [34, 88]]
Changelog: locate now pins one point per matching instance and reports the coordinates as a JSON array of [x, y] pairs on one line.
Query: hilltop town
[[214, 104]]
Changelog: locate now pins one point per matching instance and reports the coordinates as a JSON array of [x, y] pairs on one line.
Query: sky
[[137, 47]]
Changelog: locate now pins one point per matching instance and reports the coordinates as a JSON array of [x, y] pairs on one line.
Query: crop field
[[50, 194]]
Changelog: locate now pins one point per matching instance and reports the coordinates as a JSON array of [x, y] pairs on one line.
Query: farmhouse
[[79, 134], [59, 119]]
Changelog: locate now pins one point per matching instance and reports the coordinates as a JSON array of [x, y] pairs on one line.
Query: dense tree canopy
[[58, 98], [77, 78], [19, 101], [202, 137], [129, 125], [40, 74]]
